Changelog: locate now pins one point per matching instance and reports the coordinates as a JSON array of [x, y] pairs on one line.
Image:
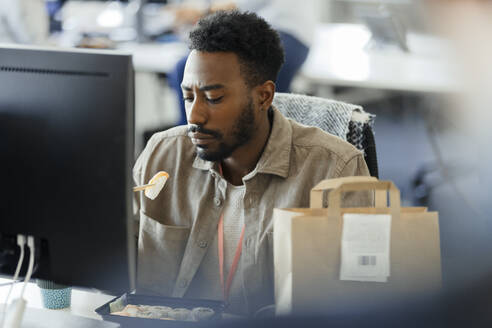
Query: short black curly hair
[[250, 37]]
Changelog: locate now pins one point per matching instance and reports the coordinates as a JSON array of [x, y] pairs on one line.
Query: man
[[209, 232]]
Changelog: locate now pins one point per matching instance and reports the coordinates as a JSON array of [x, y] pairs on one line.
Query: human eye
[[188, 98], [214, 100]]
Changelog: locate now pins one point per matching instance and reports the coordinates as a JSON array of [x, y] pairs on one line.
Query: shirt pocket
[[160, 252]]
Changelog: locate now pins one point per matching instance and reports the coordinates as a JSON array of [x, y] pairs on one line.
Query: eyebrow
[[205, 88]]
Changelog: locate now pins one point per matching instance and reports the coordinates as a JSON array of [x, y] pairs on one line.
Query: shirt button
[[202, 244], [183, 283], [217, 201], [222, 184]]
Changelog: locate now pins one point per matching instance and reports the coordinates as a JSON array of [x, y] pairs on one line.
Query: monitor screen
[[66, 149]]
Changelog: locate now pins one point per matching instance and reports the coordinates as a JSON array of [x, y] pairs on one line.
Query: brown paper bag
[[307, 245]]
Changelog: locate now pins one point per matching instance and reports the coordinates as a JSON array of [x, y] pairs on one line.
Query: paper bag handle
[[316, 198], [355, 184]]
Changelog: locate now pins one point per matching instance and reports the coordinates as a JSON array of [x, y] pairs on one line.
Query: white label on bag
[[366, 247]]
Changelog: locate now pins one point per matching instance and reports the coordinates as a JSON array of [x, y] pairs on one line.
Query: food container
[[137, 299]]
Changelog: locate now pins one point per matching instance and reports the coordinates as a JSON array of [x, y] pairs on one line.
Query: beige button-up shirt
[[177, 227]]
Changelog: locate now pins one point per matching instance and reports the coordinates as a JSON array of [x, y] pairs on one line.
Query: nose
[[196, 112]]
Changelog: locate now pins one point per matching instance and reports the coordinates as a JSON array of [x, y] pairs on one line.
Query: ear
[[264, 95]]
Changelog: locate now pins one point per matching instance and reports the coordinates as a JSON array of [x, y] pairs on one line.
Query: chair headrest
[[329, 115]]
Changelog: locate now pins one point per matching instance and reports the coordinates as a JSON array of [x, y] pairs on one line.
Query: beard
[[242, 132]]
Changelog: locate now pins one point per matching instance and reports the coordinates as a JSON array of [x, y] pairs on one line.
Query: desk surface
[[339, 58], [83, 302]]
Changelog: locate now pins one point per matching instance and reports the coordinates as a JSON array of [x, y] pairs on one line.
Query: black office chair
[[347, 121]]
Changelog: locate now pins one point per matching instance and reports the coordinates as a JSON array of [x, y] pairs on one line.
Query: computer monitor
[[66, 153]]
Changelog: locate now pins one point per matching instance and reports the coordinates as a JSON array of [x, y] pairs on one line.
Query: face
[[219, 105]]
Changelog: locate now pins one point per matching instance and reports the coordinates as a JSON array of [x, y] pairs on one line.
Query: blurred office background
[[397, 58]]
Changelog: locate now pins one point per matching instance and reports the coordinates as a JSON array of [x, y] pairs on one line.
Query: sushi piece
[[155, 185], [117, 305], [158, 181], [180, 314], [156, 312], [202, 313]]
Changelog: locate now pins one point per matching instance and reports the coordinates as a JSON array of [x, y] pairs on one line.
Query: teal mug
[[53, 295]]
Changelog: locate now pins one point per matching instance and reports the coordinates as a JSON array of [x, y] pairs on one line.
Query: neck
[[244, 159]]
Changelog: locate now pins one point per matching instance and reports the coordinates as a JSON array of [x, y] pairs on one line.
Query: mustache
[[200, 129]]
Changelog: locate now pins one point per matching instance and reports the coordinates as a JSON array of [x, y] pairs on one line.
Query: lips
[[201, 139]]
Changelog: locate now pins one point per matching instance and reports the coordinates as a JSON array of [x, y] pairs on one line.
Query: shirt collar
[[276, 155]]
